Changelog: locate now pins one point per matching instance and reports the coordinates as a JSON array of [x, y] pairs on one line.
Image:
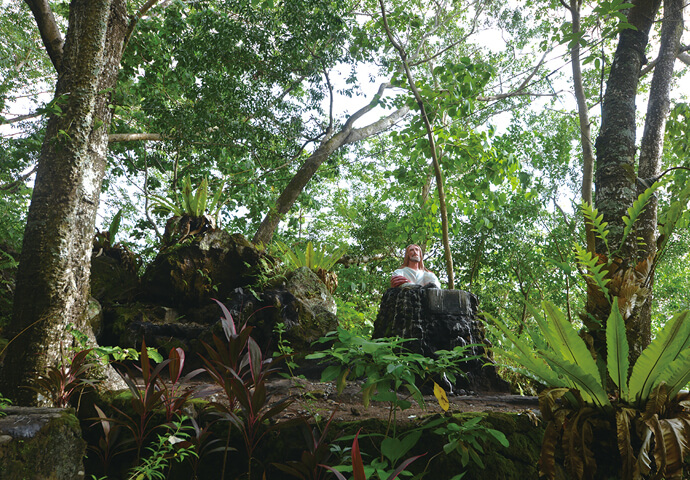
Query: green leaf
[[677, 374], [656, 357], [636, 210], [525, 356], [596, 221], [589, 385], [114, 227], [565, 341], [617, 350]]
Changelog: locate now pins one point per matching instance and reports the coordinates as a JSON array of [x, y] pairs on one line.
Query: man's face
[[414, 253]]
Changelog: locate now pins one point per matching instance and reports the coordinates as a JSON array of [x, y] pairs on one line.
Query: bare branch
[[12, 185], [50, 33], [19, 118], [349, 260], [682, 56], [501, 96], [330, 104], [135, 137]]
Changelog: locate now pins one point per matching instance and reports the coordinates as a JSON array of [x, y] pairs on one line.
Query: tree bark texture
[[347, 135], [583, 115], [53, 276], [615, 176], [652, 145]]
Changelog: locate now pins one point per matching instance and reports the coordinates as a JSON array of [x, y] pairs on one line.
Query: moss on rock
[[48, 446]]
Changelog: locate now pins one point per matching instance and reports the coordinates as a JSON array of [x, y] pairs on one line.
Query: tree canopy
[[450, 124]]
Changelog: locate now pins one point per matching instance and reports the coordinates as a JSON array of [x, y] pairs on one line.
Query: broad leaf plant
[[593, 406]]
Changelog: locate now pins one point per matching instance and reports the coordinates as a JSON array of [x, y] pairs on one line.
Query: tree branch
[[135, 19], [12, 185], [682, 56], [19, 118], [50, 33], [349, 260], [135, 137]]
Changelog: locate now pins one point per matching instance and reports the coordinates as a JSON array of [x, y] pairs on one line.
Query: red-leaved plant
[[238, 366], [358, 464]]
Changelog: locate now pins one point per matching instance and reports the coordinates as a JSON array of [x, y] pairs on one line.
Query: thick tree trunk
[[53, 276], [347, 135], [652, 145], [615, 175]]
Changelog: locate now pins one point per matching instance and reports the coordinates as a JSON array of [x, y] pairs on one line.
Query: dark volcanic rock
[[40, 443], [302, 304], [206, 266], [439, 320]]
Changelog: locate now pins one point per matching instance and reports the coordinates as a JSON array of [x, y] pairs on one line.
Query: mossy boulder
[[40, 444], [205, 266], [114, 274], [302, 304]]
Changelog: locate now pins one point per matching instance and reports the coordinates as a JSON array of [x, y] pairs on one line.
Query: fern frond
[[670, 218], [593, 269], [656, 357], [597, 221], [524, 355], [635, 211]]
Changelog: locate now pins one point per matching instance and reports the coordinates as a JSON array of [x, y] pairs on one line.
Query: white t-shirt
[[420, 277]]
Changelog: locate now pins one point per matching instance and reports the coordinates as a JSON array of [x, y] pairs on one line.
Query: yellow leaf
[[440, 395]]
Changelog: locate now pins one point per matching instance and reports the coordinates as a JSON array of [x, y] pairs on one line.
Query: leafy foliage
[[62, 382], [567, 367], [311, 257], [194, 203], [358, 469], [465, 438], [386, 366], [238, 366]]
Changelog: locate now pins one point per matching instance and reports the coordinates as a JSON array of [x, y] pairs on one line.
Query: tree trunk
[[432, 145], [347, 135], [652, 145], [615, 175], [53, 276], [583, 115]]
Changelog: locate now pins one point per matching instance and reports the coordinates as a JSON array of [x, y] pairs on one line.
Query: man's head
[[413, 255]]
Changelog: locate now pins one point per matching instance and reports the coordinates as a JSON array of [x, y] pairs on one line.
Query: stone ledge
[[40, 443]]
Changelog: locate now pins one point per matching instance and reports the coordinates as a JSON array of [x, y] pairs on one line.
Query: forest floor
[[310, 397]]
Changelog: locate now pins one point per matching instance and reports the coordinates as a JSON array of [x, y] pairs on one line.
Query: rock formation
[[440, 320], [173, 304]]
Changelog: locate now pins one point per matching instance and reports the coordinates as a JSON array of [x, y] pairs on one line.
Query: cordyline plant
[[239, 367], [592, 405], [70, 378], [358, 468]]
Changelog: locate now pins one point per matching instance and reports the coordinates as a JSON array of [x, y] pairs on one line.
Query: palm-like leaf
[[677, 374], [566, 342], [657, 356], [617, 350], [526, 357], [586, 381]]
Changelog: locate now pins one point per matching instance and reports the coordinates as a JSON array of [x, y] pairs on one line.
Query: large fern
[[597, 222], [617, 350], [654, 359], [593, 269], [635, 211]]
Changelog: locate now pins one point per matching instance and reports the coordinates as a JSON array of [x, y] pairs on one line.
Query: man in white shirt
[[412, 270]]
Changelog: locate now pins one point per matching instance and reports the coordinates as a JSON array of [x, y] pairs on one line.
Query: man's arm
[[397, 280]]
